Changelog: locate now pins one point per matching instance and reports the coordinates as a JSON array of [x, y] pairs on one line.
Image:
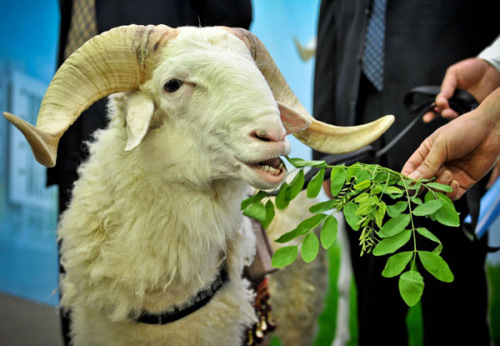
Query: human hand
[[461, 152], [474, 75]]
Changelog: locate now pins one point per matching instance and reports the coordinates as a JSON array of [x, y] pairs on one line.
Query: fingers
[[430, 115], [423, 163], [410, 167], [444, 177], [448, 87], [457, 190]]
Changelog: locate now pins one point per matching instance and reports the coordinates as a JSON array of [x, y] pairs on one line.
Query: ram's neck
[[146, 214]]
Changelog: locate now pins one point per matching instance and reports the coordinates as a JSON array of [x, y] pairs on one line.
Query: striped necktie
[[373, 57], [83, 25]]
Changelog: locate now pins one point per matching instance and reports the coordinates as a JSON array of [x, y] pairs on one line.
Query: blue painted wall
[[28, 255]]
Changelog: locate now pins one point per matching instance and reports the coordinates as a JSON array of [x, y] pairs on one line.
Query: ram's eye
[[172, 85]]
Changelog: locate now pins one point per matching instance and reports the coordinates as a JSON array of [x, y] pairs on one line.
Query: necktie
[[373, 57], [83, 25]]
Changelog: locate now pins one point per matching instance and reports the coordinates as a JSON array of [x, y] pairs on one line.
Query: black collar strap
[[201, 299]]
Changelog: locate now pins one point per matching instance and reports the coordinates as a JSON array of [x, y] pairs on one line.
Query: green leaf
[[255, 198], [363, 185], [447, 214], [440, 187], [409, 184], [394, 226], [436, 265], [337, 178], [350, 215], [284, 256], [363, 175], [323, 206], [426, 233], [389, 245], [430, 196], [397, 263], [256, 211], [313, 221], [428, 208], [382, 176], [416, 200], [283, 198], [302, 228], [377, 189], [310, 247], [353, 170], [269, 214], [394, 191], [299, 163], [294, 233], [380, 214], [314, 186], [361, 198], [297, 184], [329, 232], [411, 287], [364, 209], [396, 209]]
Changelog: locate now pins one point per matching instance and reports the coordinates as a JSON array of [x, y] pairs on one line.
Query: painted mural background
[[28, 210]]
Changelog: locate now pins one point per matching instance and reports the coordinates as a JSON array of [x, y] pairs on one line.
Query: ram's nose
[[269, 129], [269, 135]]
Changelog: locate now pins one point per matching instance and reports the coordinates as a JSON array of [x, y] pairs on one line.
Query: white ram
[[200, 114]]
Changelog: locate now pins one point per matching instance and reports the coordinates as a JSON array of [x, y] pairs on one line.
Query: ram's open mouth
[[272, 169]]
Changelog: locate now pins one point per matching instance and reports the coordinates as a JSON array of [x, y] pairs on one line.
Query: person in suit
[[421, 40], [108, 14]]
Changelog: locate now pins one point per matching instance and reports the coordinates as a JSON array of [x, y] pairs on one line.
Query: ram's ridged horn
[[118, 60], [319, 136]]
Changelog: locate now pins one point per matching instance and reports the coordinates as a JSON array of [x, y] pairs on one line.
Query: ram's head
[[220, 83]]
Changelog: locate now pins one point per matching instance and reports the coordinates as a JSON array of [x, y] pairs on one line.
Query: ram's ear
[[292, 120], [140, 109]]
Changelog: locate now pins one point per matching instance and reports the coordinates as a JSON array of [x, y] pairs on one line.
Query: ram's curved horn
[[319, 136], [118, 60]]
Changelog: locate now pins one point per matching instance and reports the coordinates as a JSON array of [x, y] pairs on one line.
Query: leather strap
[[201, 299], [418, 100]]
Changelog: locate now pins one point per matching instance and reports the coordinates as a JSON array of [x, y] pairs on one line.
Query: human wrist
[[489, 111]]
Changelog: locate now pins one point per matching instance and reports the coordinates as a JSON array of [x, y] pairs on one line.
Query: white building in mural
[[25, 202]]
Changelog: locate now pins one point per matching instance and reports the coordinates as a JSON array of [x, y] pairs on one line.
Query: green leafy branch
[[379, 203]]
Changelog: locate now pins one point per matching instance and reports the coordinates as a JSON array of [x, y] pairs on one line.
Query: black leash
[[418, 100]]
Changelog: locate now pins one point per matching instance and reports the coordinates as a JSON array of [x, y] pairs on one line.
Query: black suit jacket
[[423, 38], [112, 13]]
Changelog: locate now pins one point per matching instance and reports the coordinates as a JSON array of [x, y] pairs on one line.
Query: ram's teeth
[[273, 171]]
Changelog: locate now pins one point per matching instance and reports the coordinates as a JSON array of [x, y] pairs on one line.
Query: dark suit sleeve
[[234, 13]]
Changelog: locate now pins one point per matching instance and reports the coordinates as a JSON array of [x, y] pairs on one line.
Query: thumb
[[431, 164]]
